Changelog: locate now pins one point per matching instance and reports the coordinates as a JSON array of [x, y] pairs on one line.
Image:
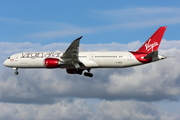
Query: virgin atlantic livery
[[76, 62]]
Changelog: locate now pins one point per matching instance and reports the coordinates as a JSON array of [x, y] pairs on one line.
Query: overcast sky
[[148, 92]]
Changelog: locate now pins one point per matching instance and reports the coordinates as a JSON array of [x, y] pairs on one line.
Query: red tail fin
[[152, 44]]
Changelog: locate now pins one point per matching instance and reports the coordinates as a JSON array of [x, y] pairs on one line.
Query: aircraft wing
[[71, 54]]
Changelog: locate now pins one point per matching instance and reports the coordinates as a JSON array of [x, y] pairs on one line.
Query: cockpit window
[[8, 57]]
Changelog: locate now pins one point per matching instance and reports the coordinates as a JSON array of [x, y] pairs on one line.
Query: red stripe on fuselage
[[140, 57]]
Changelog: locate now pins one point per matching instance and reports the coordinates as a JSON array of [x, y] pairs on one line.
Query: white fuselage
[[76, 62], [89, 59]]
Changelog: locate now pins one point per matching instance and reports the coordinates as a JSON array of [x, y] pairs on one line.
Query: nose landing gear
[[16, 71]]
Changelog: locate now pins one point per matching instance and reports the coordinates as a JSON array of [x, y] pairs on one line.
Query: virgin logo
[[150, 46]]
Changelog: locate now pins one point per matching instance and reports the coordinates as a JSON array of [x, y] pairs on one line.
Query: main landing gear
[[16, 71], [88, 74], [80, 72]]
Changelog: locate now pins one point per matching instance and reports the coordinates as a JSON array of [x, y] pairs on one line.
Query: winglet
[[152, 44]]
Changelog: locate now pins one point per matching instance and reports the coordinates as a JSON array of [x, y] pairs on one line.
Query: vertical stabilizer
[[152, 44]]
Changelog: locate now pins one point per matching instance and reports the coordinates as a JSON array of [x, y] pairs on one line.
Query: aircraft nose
[[6, 63]]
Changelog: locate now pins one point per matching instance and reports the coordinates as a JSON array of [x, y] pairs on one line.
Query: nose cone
[[6, 63]]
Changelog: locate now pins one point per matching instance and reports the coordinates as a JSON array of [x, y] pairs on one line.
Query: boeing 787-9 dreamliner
[[75, 61]]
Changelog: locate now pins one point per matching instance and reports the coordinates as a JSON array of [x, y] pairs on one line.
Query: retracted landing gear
[[16, 71], [88, 74]]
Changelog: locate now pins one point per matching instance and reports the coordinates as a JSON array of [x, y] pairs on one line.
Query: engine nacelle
[[51, 62], [72, 71]]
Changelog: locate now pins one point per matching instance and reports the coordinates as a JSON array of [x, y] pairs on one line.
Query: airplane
[[76, 62]]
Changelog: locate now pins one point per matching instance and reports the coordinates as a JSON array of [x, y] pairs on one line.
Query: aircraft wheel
[[88, 74], [16, 73]]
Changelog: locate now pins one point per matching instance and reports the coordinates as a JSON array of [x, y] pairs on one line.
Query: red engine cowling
[[51, 62], [71, 71]]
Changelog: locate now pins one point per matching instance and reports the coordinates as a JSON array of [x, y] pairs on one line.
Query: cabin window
[[82, 56], [107, 56]]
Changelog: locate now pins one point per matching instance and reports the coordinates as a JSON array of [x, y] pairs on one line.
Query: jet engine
[[51, 62]]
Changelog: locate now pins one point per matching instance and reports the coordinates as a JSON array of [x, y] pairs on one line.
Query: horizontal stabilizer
[[151, 55]]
